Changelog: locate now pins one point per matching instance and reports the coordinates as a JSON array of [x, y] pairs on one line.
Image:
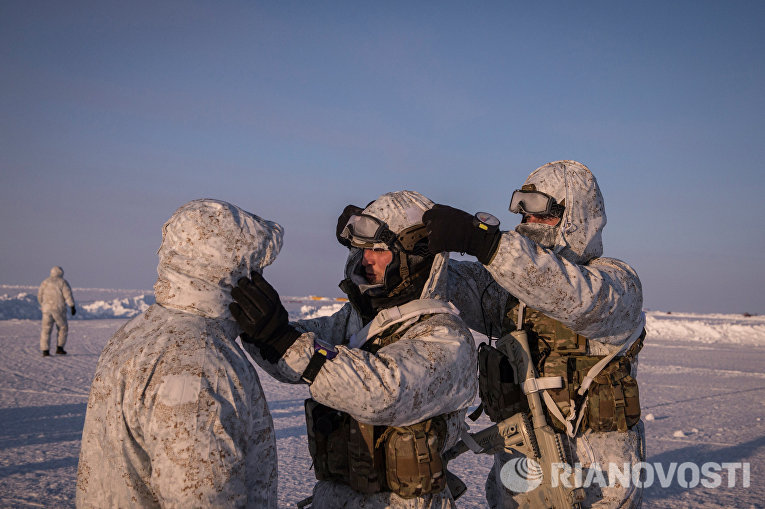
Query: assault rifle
[[533, 438]]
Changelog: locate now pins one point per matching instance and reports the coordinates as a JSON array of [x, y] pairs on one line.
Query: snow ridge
[[24, 306], [95, 303]]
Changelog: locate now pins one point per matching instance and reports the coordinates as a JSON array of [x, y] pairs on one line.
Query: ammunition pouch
[[370, 459], [413, 463], [612, 402]]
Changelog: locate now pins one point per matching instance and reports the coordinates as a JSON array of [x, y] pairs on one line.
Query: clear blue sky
[[113, 114]]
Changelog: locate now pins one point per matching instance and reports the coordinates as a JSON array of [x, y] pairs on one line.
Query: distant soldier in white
[[391, 373], [176, 415], [54, 296], [578, 309]]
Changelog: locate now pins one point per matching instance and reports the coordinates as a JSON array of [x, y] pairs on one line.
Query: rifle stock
[[542, 444], [514, 433]]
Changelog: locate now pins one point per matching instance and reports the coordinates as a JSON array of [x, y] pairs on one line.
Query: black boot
[[46, 353], [60, 350]]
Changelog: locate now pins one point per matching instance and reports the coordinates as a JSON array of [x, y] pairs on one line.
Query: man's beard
[[542, 234]]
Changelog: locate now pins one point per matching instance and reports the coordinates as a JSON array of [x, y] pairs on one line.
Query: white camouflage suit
[[599, 298], [430, 371], [54, 296], [176, 415]]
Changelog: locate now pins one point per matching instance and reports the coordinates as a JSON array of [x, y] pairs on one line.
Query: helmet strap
[[403, 267]]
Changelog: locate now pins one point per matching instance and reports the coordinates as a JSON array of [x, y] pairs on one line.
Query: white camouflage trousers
[[48, 320]]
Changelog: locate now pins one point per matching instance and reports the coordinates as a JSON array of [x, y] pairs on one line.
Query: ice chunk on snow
[[316, 312]]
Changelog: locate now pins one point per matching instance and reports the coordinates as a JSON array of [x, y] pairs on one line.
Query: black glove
[[348, 211], [71, 308], [262, 317], [451, 229]]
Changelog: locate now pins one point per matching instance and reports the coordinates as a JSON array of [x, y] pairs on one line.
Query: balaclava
[[542, 234], [577, 237], [407, 272]]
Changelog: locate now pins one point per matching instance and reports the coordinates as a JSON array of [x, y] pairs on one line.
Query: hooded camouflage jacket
[[55, 293], [176, 415], [597, 297]]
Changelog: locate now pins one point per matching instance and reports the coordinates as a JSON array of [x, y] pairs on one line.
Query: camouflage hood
[[207, 245], [572, 184]]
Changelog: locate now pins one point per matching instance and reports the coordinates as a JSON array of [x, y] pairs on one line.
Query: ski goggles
[[368, 232], [536, 203]]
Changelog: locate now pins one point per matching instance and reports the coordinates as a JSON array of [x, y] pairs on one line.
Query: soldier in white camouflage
[[391, 374], [55, 296], [176, 415], [580, 307]]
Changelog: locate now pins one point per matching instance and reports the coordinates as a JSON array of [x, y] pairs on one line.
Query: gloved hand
[[262, 317], [348, 211], [71, 308], [451, 229]]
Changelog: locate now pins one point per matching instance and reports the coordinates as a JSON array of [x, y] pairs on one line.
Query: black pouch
[[498, 385], [328, 432], [366, 470], [344, 449]]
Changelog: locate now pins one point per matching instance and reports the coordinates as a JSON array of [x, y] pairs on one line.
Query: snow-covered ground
[[702, 383]]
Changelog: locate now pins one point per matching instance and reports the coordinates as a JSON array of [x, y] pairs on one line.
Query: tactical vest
[[612, 400], [403, 459]]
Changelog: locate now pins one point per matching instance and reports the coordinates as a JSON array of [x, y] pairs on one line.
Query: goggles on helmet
[[536, 203], [368, 232]]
